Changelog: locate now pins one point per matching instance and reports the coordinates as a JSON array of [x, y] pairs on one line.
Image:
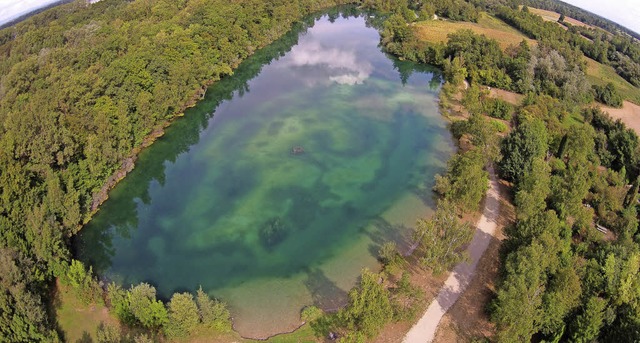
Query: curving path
[[425, 329]]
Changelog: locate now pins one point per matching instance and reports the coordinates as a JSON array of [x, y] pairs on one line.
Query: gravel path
[[425, 329]]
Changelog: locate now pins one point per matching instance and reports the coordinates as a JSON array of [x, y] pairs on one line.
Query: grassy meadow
[[438, 30], [600, 74]]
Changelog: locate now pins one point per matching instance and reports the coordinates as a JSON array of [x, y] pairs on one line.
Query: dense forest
[[84, 88]]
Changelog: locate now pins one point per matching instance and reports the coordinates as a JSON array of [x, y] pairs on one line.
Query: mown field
[[554, 16], [437, 30], [600, 74]]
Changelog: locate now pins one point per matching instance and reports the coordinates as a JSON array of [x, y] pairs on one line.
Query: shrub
[[498, 108], [608, 95]]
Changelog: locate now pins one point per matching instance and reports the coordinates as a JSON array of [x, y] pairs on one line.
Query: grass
[[437, 30], [600, 74], [77, 320]]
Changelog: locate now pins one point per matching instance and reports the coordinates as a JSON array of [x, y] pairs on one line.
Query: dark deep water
[[221, 201]]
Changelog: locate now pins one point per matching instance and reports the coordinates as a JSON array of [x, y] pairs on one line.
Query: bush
[[388, 253], [213, 313], [407, 300], [83, 282], [310, 313], [608, 95], [498, 108], [499, 126]]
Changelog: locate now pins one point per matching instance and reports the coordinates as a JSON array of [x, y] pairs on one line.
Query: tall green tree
[[369, 307], [441, 238], [521, 147], [183, 315]]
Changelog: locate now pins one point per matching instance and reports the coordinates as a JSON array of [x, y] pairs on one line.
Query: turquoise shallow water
[[222, 202]]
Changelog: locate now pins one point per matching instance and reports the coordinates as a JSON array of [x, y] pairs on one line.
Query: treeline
[[542, 69], [554, 67], [424, 10], [582, 15], [621, 52], [82, 87], [139, 307]]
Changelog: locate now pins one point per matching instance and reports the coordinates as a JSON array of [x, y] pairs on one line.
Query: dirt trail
[[424, 330]]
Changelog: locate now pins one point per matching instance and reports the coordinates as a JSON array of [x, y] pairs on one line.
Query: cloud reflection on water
[[340, 65]]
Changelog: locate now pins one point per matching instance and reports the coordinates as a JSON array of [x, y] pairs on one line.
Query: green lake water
[[220, 201]]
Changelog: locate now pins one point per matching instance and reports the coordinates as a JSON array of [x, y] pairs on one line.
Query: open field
[[437, 30], [629, 114], [554, 16], [600, 74], [78, 321], [510, 97]]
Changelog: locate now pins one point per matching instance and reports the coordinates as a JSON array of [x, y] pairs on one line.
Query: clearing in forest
[[438, 30]]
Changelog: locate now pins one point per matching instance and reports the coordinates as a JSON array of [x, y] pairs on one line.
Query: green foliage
[[533, 190], [144, 307], [498, 108], [588, 323], [483, 58], [83, 282], [119, 303], [369, 308], [608, 95], [183, 315], [499, 126], [617, 146], [517, 309], [310, 313], [213, 313], [521, 147], [441, 238], [466, 180], [108, 334], [22, 317], [389, 255], [407, 300]]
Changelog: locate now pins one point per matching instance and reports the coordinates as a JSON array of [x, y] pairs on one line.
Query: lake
[[274, 191]]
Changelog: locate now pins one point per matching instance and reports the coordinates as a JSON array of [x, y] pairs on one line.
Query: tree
[[455, 71], [441, 238], [533, 190], [369, 307], [183, 315], [108, 334], [143, 305], [213, 314], [608, 95], [587, 325], [521, 147], [517, 309], [466, 180]]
